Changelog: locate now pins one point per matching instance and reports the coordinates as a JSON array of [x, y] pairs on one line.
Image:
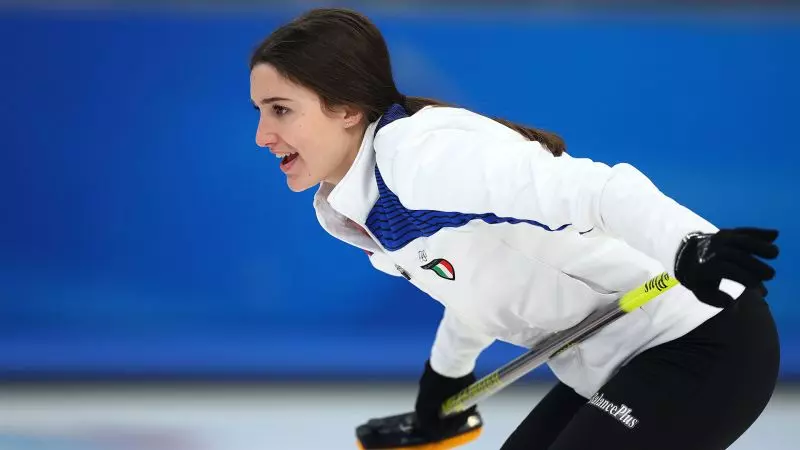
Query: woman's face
[[314, 143]]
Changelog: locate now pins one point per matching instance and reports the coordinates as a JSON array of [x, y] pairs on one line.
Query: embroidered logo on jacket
[[442, 267]]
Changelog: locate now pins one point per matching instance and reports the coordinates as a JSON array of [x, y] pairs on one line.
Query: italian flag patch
[[442, 267]]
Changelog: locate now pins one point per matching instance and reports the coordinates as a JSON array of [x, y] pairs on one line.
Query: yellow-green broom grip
[[646, 292]]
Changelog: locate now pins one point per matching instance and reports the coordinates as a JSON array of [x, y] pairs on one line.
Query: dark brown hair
[[342, 56]]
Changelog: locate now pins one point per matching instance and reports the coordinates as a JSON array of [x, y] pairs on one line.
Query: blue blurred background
[[143, 234]]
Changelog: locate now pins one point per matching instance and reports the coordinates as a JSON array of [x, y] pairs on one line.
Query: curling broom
[[400, 432]]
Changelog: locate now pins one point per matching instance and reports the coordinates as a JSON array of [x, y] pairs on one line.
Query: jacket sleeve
[[456, 347], [469, 171]]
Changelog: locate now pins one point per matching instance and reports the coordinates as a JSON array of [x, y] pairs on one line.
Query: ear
[[351, 116]]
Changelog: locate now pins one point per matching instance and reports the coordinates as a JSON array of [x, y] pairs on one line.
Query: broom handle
[[555, 344]]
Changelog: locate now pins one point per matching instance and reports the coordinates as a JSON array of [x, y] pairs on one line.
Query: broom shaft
[[555, 344]]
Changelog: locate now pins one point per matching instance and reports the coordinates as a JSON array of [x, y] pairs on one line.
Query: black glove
[[704, 259], [434, 389]]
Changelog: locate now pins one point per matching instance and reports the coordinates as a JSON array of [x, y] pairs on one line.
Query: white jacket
[[514, 242]]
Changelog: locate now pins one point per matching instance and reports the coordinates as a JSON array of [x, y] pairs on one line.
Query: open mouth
[[287, 160], [286, 157]]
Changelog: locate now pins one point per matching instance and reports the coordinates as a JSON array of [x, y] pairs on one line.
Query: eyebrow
[[268, 100]]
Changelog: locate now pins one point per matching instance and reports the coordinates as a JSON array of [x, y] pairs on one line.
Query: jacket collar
[[354, 196]]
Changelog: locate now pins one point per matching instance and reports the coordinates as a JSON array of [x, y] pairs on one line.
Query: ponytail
[[551, 141]]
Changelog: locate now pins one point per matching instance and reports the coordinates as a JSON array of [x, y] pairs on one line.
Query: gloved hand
[[434, 389], [704, 259]]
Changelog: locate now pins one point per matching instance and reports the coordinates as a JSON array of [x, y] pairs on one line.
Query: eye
[[280, 110]]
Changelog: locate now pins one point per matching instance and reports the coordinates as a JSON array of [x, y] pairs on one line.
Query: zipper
[[367, 233], [403, 272]]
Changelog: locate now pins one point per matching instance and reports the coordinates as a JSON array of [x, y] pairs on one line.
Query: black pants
[[698, 392]]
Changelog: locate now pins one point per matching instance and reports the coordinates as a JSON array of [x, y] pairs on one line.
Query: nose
[[265, 137]]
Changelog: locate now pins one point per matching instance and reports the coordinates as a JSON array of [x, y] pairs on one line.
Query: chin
[[299, 186]]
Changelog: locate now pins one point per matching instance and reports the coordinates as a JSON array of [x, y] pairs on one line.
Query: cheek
[[317, 143], [303, 135]]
